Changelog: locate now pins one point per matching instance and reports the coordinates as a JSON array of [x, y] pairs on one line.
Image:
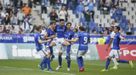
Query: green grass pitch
[[29, 67]]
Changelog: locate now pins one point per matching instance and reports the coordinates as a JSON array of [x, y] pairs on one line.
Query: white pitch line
[[29, 69]]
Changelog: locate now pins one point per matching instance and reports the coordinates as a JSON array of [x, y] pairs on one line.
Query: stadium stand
[[79, 12]]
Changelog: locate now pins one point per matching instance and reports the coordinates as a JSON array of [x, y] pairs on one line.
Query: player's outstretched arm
[[44, 41], [73, 40]]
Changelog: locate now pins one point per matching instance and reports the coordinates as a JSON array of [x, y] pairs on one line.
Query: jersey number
[[85, 40]]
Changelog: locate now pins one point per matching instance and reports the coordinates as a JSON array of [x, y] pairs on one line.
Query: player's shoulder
[[112, 33]]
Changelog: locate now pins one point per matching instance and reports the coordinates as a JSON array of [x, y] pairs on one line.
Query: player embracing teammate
[[62, 36]]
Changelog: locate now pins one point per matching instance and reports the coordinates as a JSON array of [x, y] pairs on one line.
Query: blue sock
[[43, 63], [68, 61], [107, 63], [79, 62], [51, 51], [68, 55], [123, 61], [48, 63], [82, 61], [60, 60]]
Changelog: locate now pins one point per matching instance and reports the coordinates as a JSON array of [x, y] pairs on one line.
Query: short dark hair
[[69, 23], [38, 27], [118, 28], [61, 20], [53, 22], [82, 28]]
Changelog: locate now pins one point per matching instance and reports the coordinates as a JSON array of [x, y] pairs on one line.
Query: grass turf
[[29, 67]]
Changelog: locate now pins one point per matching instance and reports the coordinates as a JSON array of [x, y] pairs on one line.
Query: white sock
[[115, 61]]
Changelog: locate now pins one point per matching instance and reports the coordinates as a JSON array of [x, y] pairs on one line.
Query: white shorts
[[114, 53], [58, 40], [81, 53], [43, 53]]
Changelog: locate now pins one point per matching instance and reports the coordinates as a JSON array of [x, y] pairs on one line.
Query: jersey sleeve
[[122, 37]]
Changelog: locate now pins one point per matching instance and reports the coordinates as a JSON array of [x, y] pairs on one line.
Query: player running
[[114, 53]]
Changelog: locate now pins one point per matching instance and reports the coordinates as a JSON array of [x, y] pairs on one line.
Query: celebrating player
[[45, 54], [51, 34], [69, 34], [83, 40], [114, 53]]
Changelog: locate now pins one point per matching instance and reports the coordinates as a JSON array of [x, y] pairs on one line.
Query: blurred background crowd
[[97, 16]]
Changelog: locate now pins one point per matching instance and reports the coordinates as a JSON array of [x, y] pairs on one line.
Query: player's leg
[[115, 58], [43, 63], [59, 47], [111, 54], [115, 63], [68, 57], [124, 61], [80, 60], [48, 55], [51, 49]]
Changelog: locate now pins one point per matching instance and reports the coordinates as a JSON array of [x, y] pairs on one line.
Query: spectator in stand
[[1, 7], [85, 2], [30, 3], [63, 13], [44, 4], [87, 17], [64, 2], [53, 15], [26, 25], [7, 19], [123, 24], [1, 19], [130, 28], [53, 2], [13, 30], [1, 29], [106, 31], [6, 2], [92, 26], [91, 9], [8, 29], [14, 20], [79, 10], [4, 29], [20, 31], [100, 29], [9, 10], [20, 17], [20, 4], [15, 3], [26, 10]]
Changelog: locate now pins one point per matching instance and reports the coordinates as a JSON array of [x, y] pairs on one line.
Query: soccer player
[[69, 34], [83, 40], [59, 41], [51, 34], [111, 37], [114, 53], [45, 54]]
